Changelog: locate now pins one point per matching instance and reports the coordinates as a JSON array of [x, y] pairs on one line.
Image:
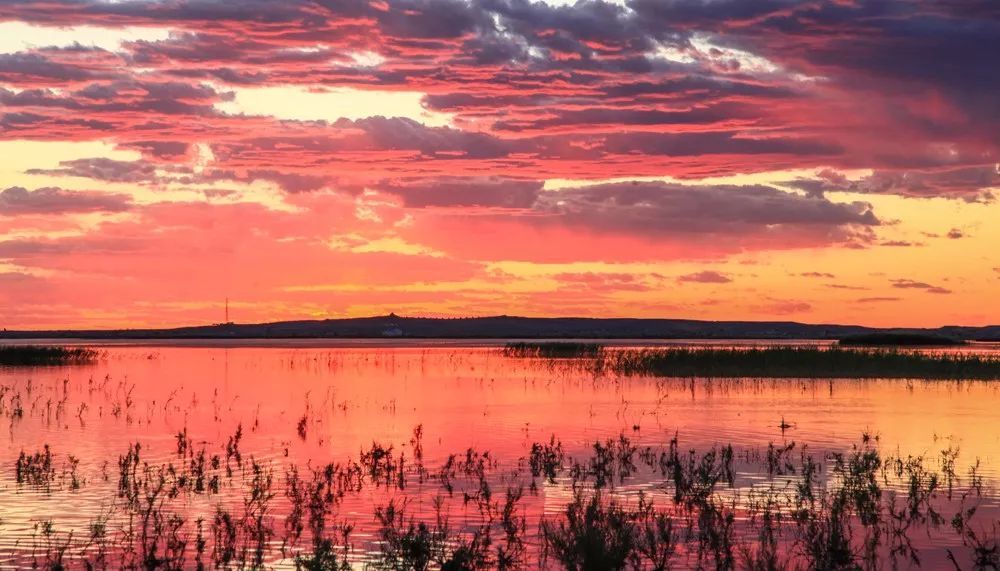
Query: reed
[[856, 509], [623, 502], [552, 349], [797, 362], [899, 339], [45, 355]]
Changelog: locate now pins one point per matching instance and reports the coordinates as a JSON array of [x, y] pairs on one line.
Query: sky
[[821, 161]]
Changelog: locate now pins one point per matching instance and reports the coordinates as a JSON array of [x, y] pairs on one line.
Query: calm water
[[308, 405]]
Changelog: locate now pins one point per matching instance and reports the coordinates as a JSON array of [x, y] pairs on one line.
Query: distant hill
[[506, 327]]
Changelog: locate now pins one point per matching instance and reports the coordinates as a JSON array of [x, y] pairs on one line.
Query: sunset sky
[[820, 161]]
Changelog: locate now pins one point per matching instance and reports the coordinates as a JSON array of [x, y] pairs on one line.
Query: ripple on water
[[463, 398]]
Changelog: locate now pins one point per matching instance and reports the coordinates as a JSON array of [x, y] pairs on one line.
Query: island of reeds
[[899, 339], [44, 355], [800, 362], [768, 362]]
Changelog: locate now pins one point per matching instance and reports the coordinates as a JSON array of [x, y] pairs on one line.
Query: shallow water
[[299, 403]]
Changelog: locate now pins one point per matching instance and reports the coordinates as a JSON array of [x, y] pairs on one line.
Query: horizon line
[[393, 315]]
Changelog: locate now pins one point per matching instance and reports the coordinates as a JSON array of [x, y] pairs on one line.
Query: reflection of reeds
[[552, 349], [769, 507], [857, 509], [797, 362], [39, 355]]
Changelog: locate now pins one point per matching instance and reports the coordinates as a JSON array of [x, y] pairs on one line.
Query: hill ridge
[[504, 326]]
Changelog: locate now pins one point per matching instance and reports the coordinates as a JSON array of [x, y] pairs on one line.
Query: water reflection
[[308, 407]]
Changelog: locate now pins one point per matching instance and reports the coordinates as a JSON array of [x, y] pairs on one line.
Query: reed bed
[[772, 505], [797, 362], [45, 355], [857, 509], [901, 339], [552, 349]]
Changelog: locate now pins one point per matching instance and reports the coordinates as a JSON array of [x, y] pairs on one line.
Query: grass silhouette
[[41, 355], [794, 362]]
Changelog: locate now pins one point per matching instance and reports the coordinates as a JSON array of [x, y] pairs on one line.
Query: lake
[[269, 444]]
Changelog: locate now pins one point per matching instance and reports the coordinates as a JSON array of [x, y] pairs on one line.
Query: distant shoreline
[[505, 328]]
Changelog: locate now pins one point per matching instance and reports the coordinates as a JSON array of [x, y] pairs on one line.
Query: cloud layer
[[479, 145]]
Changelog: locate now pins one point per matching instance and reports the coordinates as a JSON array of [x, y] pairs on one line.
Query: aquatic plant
[[629, 501], [900, 339], [796, 362], [323, 557], [595, 534], [35, 469], [546, 459], [552, 349], [45, 355], [848, 516]]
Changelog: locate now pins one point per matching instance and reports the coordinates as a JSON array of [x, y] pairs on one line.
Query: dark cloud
[[705, 116], [609, 281], [971, 184], [911, 284], [864, 45], [145, 172], [706, 277], [103, 169], [900, 244], [845, 286], [117, 99], [423, 19], [698, 144], [25, 249], [40, 69], [784, 307], [51, 200], [291, 182], [372, 134], [664, 209], [162, 150], [539, 91], [486, 191]]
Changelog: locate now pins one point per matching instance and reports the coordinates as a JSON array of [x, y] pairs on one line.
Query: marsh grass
[[778, 506], [41, 355], [797, 362], [552, 349], [857, 509], [899, 339]]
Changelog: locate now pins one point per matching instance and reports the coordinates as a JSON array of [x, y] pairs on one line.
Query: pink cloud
[[535, 92]]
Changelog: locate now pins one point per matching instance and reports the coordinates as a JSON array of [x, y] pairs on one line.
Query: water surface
[[308, 403]]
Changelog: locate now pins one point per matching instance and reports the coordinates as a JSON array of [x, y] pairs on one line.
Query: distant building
[[392, 331]]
